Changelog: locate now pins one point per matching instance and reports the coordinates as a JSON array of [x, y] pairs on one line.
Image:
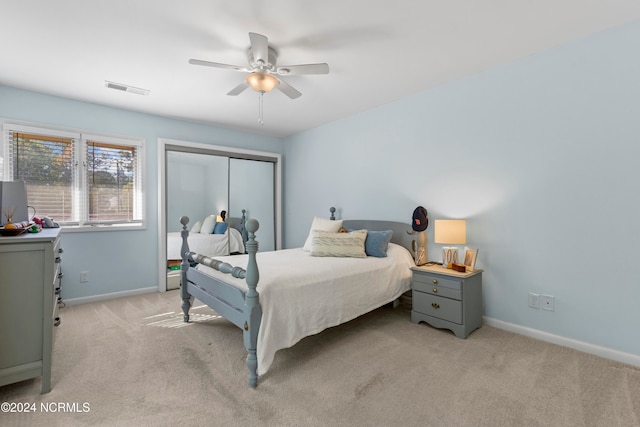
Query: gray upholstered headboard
[[400, 230]]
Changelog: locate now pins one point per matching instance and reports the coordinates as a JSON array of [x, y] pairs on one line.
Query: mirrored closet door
[[201, 180], [251, 185]]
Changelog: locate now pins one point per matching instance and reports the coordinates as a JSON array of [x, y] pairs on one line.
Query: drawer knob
[[435, 290], [56, 322], [58, 260], [60, 275], [60, 250], [435, 305], [435, 281]]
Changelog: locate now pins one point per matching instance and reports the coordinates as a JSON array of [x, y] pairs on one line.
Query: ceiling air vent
[[126, 88]]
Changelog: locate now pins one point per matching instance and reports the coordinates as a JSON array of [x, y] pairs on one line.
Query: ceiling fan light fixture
[[261, 82]]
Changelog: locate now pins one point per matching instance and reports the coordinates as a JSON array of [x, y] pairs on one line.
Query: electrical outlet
[[534, 300], [547, 302], [84, 276]]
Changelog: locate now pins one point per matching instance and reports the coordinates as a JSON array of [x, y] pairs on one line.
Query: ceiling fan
[[264, 73]]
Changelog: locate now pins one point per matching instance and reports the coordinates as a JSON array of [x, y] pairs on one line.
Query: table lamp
[[450, 232]]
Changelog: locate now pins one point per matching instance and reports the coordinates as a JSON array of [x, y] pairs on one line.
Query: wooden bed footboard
[[239, 307]]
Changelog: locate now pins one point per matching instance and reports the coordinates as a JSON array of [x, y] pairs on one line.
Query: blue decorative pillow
[[220, 228], [377, 242]]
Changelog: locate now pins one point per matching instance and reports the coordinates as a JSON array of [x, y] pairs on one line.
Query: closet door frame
[[166, 144]]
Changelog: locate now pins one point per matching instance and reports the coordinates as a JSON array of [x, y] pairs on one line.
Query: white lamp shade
[[450, 231]]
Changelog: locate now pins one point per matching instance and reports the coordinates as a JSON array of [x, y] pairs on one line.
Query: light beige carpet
[[132, 362]]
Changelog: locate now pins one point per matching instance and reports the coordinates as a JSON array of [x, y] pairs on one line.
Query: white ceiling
[[378, 50]]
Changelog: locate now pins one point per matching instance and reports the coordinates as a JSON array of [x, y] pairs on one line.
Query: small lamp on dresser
[[450, 232]]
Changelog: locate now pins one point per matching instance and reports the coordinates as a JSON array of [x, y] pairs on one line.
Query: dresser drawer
[[57, 267], [57, 276], [442, 308]]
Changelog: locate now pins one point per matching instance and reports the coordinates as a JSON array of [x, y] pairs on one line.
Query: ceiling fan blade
[[286, 70], [217, 65], [259, 47], [288, 90], [238, 89]]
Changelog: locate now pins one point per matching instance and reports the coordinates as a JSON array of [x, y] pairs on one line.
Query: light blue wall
[[540, 156], [119, 260]]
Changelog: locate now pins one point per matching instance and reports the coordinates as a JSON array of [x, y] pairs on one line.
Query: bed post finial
[[333, 211], [252, 248]]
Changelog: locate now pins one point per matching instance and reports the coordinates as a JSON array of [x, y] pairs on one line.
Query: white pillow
[[339, 244], [196, 227], [208, 224], [321, 224]]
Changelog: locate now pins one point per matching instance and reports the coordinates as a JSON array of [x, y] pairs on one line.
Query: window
[[77, 179]]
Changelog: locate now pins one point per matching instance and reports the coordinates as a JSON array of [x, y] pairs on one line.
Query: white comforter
[[206, 244], [302, 295]]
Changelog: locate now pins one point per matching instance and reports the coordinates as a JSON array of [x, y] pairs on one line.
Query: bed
[[231, 241], [300, 291]]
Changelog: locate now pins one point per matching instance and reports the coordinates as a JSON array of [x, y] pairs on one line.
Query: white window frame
[[81, 197]]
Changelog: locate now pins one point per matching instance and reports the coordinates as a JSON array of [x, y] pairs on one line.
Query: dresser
[[30, 278], [447, 299]]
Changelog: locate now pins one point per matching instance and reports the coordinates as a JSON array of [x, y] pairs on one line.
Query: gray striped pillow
[[325, 243]]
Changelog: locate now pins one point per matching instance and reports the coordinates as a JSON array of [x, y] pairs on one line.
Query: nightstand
[[447, 299]]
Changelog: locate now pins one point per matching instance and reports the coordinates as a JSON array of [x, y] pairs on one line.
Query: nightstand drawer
[[452, 283], [437, 289], [442, 308], [430, 280]]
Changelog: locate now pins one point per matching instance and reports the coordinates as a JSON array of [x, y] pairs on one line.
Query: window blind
[[112, 184], [45, 163]]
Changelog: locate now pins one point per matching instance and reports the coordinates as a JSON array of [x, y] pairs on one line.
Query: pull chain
[[260, 109]]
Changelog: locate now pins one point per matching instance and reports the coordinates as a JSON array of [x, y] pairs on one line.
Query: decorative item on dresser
[[470, 256], [13, 202], [29, 300], [447, 299], [302, 290]]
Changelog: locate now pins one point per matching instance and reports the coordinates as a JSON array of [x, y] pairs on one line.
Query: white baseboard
[[113, 295], [607, 353]]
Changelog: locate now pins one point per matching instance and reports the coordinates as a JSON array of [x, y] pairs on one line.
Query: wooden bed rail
[[223, 267]]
